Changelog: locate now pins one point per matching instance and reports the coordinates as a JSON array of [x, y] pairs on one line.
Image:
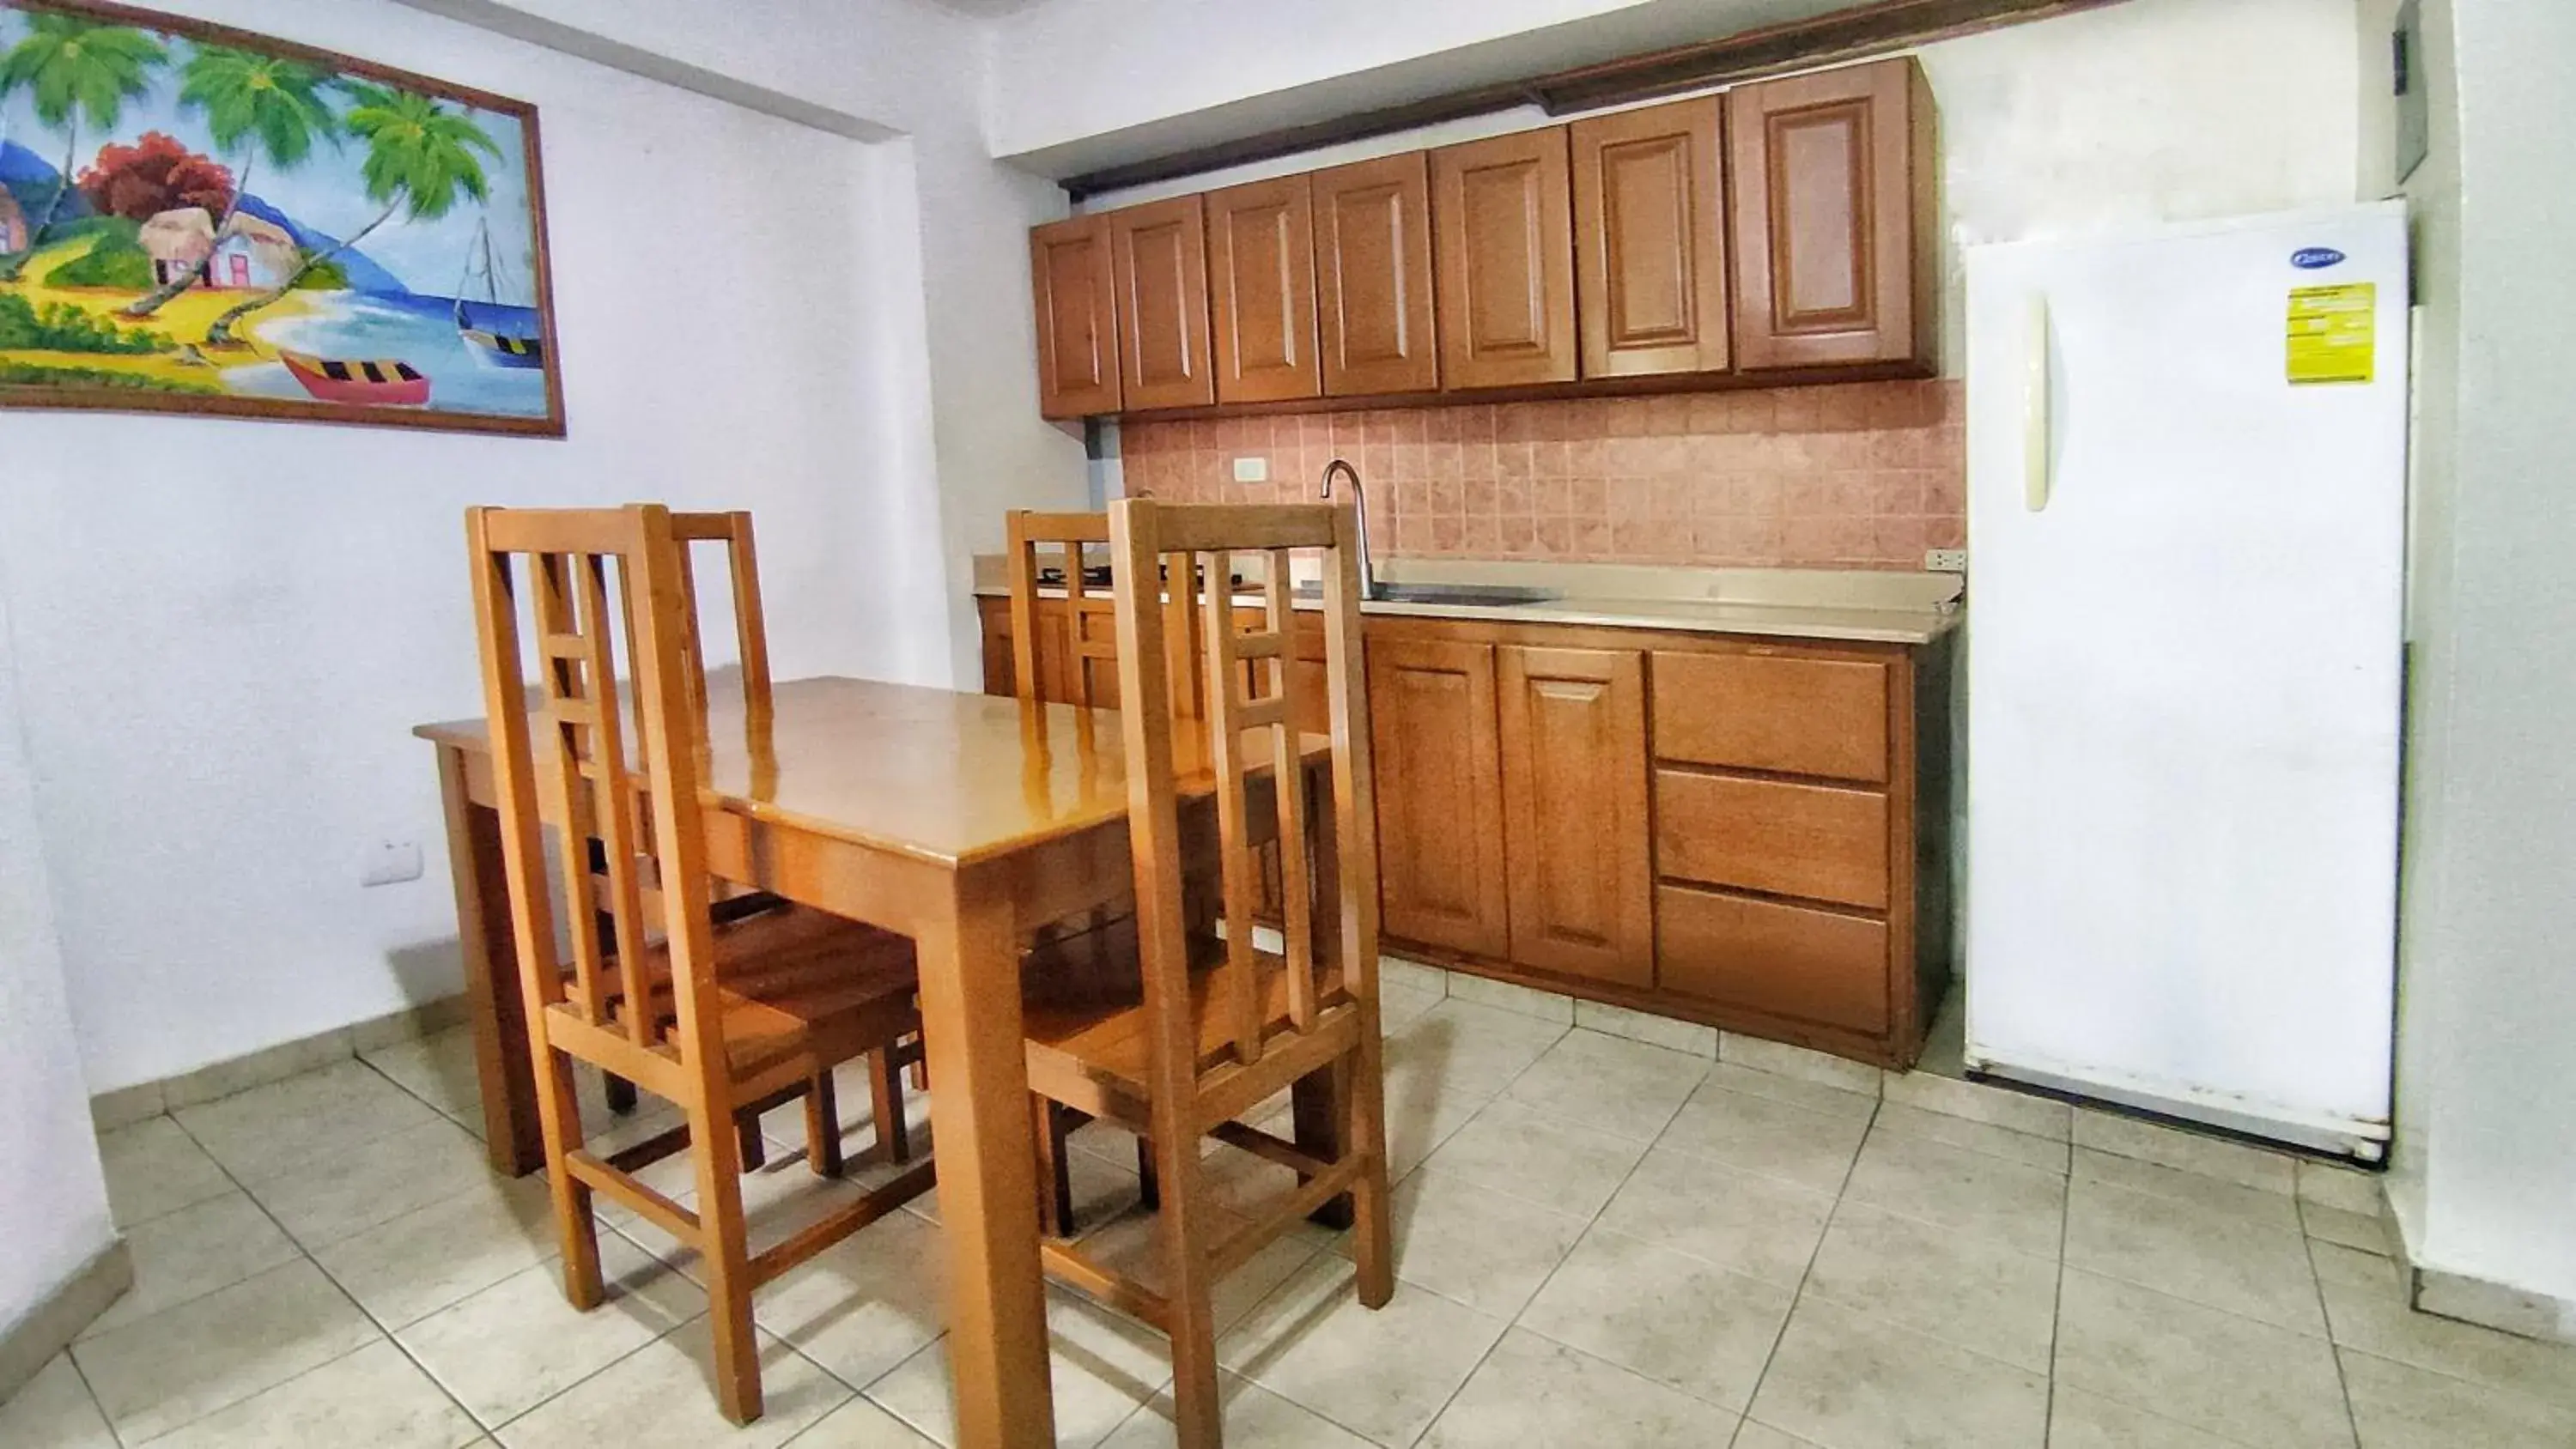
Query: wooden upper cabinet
[[1372, 224], [1502, 211], [1834, 227], [1439, 793], [1159, 251], [1072, 280], [1575, 832], [1650, 239], [1261, 278]]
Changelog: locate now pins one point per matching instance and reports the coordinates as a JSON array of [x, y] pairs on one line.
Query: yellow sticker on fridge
[[2334, 332]]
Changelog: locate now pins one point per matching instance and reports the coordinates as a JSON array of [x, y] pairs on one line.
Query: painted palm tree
[[420, 161], [74, 68], [255, 106]]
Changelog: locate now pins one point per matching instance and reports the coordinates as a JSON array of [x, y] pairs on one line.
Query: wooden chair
[[1220, 1026], [1090, 639], [716, 1005]]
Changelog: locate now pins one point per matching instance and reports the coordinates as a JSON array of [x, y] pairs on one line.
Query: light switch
[[1252, 470]]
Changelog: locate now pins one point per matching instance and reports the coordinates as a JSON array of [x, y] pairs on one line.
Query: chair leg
[[576, 1228], [822, 1126], [1362, 1094], [885, 1105], [621, 1094], [1055, 1178], [724, 1248], [921, 1071], [1149, 1181], [747, 1141], [1198, 1413]]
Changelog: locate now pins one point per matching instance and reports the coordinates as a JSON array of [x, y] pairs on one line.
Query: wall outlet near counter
[[1251, 470], [1945, 560], [390, 862]]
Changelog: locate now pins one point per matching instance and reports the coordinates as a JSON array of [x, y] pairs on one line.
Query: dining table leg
[[513, 1135], [981, 1138]]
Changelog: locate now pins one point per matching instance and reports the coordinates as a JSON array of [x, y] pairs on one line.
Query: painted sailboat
[[498, 333]]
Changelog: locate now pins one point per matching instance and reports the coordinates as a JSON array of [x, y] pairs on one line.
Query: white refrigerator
[[2187, 537]]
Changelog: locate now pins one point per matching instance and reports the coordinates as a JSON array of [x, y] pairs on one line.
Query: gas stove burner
[[1094, 576]]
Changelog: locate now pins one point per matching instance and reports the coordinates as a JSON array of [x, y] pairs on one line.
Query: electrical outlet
[[1251, 470], [1945, 560], [390, 862]]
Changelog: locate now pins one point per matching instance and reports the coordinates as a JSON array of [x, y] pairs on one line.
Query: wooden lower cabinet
[[1748, 833], [1575, 838], [1432, 725]]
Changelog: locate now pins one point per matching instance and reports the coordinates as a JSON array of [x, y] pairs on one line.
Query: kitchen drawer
[[1768, 956], [1763, 710], [1820, 842]]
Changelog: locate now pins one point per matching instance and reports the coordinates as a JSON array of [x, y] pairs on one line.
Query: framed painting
[[197, 219]]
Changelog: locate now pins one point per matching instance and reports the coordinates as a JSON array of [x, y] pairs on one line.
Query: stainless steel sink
[[1468, 596], [1472, 596]]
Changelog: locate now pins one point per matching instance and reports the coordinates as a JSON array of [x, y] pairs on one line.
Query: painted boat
[[377, 384], [501, 335], [497, 333]]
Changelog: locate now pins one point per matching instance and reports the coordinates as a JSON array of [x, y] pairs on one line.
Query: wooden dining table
[[963, 821]]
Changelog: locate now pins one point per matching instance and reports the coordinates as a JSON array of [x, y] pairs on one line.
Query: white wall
[[2487, 1083], [225, 629], [1076, 84], [53, 1202]]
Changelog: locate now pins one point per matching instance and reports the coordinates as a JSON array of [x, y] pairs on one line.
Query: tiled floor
[[1602, 1243]]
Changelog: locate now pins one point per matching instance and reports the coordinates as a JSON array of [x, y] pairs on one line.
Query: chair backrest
[[1064, 535], [1090, 618], [586, 575], [751, 629], [1251, 699]]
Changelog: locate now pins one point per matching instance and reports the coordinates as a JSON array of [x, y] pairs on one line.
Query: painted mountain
[[30, 178]]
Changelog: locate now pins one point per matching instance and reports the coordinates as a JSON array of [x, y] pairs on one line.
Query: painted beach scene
[[196, 219]]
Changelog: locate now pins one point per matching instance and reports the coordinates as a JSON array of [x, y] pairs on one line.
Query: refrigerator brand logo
[[2315, 258]]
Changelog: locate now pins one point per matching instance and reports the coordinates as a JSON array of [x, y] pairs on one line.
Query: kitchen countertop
[[1843, 605]]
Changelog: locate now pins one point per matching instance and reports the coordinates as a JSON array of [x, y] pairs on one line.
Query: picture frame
[[203, 220]]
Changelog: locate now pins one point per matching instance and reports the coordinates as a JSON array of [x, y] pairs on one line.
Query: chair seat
[[1084, 1017], [798, 988]]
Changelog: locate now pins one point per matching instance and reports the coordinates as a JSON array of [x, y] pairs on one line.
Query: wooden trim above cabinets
[[1373, 276], [1261, 280], [1650, 239], [1071, 276], [1159, 251], [1501, 211], [1833, 184]]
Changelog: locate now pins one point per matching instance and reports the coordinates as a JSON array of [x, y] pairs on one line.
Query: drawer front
[[1772, 957], [1796, 714], [1820, 842]]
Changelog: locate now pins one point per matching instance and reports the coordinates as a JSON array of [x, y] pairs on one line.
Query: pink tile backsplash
[[1864, 475]]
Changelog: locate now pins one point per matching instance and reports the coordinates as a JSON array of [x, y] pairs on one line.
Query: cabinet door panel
[[1073, 282], [1828, 187], [1261, 275], [1439, 793], [1373, 276], [1815, 842], [1502, 210], [1650, 240], [1792, 961], [1764, 709], [1575, 831], [1160, 254]]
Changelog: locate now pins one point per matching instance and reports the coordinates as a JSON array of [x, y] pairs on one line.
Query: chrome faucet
[[1359, 505]]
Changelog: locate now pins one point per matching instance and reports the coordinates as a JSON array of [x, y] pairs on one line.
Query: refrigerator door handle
[[2035, 400]]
